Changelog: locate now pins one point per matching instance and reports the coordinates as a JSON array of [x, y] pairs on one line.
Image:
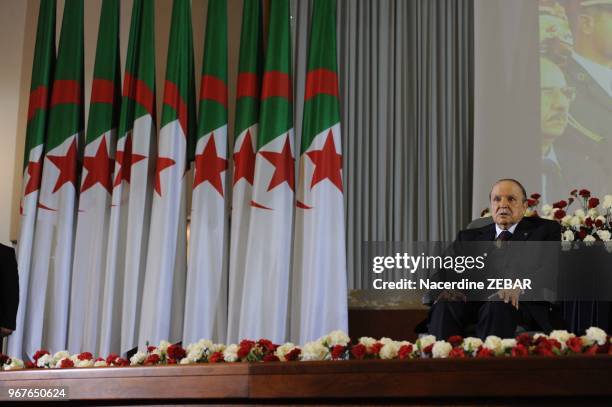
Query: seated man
[[451, 312], [9, 296]]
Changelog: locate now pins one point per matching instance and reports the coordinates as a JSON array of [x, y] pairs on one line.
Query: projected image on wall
[[576, 96]]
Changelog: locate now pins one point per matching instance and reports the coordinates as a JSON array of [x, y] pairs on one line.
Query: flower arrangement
[[335, 346]]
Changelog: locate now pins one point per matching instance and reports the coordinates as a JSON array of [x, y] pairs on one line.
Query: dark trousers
[[447, 318]]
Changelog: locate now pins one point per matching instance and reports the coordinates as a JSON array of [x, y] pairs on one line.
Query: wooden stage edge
[[587, 377]]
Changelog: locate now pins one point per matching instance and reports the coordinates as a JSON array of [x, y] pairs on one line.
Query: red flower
[[100, 360], [484, 353], [151, 348], [455, 340], [574, 192], [520, 350], [216, 357], [358, 351], [111, 359], [582, 234], [267, 345], [152, 359], [338, 351], [524, 339], [589, 222], [121, 362], [592, 203], [531, 202], [85, 356], [39, 354], [456, 352], [171, 361], [544, 347], [176, 352], [375, 348], [30, 365], [4, 359], [574, 344], [585, 193], [294, 354], [560, 214], [591, 350], [561, 204], [405, 351], [271, 358], [599, 223], [66, 363], [427, 349], [536, 196], [244, 348]]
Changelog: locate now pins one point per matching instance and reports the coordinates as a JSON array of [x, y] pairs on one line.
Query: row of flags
[[108, 256]]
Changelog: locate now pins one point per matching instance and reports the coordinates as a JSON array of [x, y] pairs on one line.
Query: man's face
[[595, 28], [603, 33], [508, 204], [554, 101]]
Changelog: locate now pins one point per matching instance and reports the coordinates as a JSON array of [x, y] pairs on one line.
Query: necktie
[[504, 235]]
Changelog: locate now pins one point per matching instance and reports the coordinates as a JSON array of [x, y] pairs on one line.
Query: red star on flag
[[209, 166], [284, 163], [98, 169], [35, 173], [126, 159], [162, 164], [328, 163], [244, 160], [67, 165]]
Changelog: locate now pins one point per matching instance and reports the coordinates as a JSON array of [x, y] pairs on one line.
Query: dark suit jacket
[[9, 287]]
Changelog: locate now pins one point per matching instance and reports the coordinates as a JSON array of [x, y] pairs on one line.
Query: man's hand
[[5, 332], [451, 295], [511, 296]]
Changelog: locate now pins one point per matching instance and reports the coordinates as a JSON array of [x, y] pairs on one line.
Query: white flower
[[608, 246], [596, 335], [45, 361], [546, 209], [471, 344], [385, 340], [579, 213], [61, 355], [441, 349], [562, 336], [566, 221], [586, 341], [493, 343], [593, 213], [389, 350], [575, 222], [14, 365], [604, 235], [315, 351], [282, 351], [58, 364], [84, 363], [602, 219], [218, 347], [607, 202], [336, 338], [367, 341], [568, 236], [539, 334], [589, 239], [163, 347], [508, 344], [100, 363], [425, 341], [138, 358], [529, 212], [186, 361], [230, 354]]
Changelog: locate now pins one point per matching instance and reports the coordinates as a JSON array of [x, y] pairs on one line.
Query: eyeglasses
[[549, 92]]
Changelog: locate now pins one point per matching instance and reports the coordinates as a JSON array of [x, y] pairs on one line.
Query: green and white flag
[[40, 93], [319, 302], [49, 295], [268, 255], [163, 300], [96, 187], [245, 145], [206, 290], [132, 188]]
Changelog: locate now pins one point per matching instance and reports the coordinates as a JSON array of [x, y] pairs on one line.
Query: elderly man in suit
[[9, 296], [451, 313]]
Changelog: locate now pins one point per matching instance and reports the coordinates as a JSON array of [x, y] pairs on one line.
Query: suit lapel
[[521, 233]]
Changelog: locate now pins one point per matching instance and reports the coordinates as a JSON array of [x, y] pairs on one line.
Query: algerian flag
[[265, 299], [132, 189], [206, 290], [164, 288], [96, 187], [49, 294], [245, 143], [40, 92], [320, 286]]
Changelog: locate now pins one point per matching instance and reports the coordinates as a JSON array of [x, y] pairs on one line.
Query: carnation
[[593, 213], [562, 336], [589, 239], [547, 209], [45, 361], [579, 213], [230, 354], [597, 335], [138, 358], [14, 365], [493, 343], [575, 222], [568, 236], [441, 349], [367, 341], [566, 220], [424, 341], [389, 350], [100, 363], [607, 202], [471, 344], [315, 351], [282, 351], [604, 235], [61, 355], [84, 363], [336, 338], [508, 344]]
